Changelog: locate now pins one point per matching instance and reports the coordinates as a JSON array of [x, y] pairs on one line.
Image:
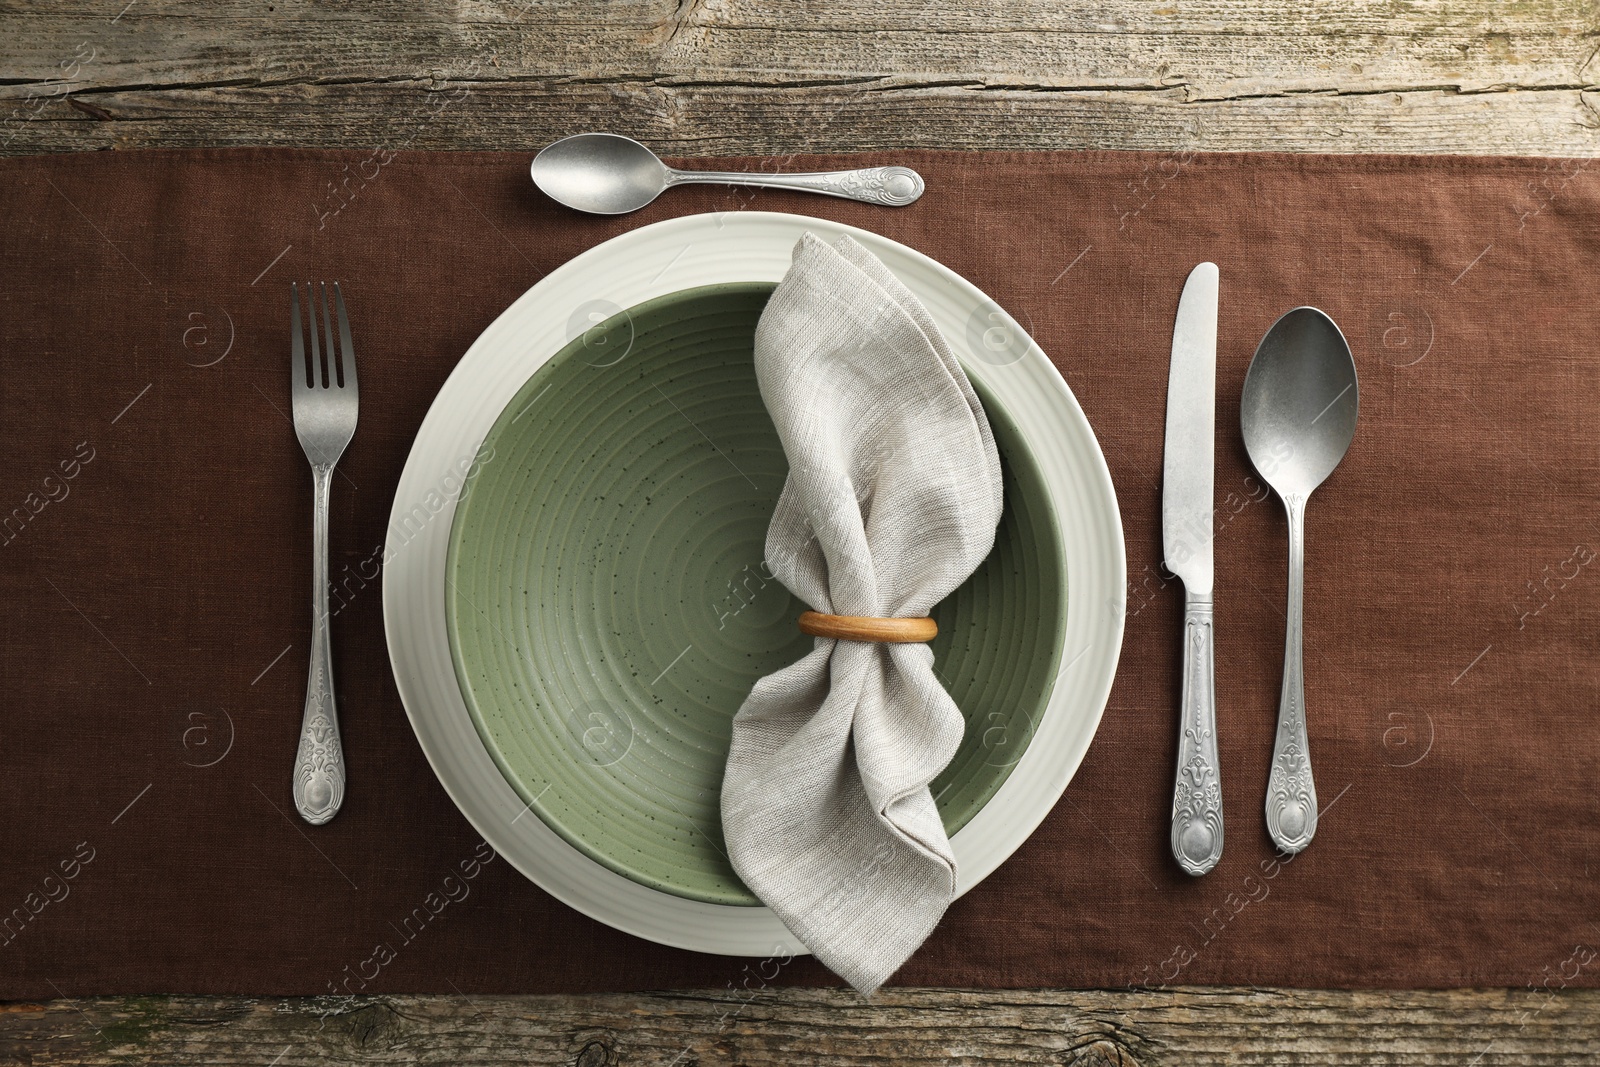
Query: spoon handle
[[1291, 794], [1197, 794], [890, 186]]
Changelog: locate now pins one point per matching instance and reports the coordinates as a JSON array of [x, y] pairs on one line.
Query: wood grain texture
[[771, 1028], [867, 628], [720, 77]]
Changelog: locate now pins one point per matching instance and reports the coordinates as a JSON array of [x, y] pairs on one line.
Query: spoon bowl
[[601, 173], [608, 174], [1299, 406], [1298, 415]]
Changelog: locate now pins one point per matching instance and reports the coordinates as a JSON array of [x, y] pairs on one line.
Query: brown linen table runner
[[156, 570]]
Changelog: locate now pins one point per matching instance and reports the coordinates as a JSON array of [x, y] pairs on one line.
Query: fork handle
[[319, 764]]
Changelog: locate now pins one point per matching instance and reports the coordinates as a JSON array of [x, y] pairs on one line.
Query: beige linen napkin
[[892, 500]]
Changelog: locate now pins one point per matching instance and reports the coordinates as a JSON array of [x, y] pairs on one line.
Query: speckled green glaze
[[609, 610]]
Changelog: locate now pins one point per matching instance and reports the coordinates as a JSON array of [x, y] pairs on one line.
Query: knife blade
[[1188, 490], [1188, 482]]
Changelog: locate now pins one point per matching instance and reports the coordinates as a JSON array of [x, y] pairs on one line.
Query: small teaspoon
[[608, 174]]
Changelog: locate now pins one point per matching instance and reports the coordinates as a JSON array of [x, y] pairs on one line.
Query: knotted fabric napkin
[[892, 500]]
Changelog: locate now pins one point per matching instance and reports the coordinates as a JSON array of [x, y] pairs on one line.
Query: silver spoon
[[1298, 414], [608, 174]]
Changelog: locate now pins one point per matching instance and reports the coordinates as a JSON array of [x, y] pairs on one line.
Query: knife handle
[[1197, 795]]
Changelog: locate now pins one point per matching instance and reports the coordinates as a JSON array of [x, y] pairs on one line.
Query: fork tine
[[319, 366], [347, 348], [299, 369], [335, 379]]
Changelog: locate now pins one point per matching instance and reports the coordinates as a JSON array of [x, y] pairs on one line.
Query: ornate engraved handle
[[1291, 794], [1197, 796], [319, 764], [890, 186]]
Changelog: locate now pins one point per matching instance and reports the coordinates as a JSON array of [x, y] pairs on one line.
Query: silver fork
[[324, 392]]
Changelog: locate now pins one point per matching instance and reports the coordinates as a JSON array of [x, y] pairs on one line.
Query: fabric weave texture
[[891, 502]]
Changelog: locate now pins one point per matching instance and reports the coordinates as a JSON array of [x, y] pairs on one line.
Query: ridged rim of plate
[[649, 262]]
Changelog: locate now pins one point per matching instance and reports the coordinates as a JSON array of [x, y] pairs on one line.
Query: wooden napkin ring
[[866, 628]]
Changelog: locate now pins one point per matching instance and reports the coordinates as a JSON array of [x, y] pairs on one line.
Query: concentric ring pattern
[[609, 608], [638, 266]]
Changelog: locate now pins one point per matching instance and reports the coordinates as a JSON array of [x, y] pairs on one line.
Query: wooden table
[[776, 76]]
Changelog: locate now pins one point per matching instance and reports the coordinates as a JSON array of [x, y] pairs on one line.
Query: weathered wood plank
[[784, 1028], [1210, 62], [731, 76], [880, 113], [1141, 16]]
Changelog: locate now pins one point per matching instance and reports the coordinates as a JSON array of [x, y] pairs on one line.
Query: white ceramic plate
[[650, 262]]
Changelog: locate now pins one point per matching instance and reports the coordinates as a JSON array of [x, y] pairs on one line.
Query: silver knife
[[1188, 488]]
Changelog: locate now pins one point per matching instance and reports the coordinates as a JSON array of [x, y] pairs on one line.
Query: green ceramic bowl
[[609, 610]]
